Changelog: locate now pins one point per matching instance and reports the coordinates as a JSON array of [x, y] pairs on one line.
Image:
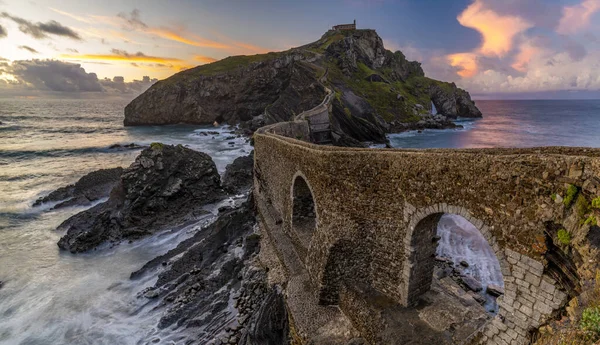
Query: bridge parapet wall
[[373, 200]]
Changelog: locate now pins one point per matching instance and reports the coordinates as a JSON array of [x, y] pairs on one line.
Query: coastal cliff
[[377, 91]]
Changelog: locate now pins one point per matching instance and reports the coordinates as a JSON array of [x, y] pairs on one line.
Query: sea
[[53, 297]]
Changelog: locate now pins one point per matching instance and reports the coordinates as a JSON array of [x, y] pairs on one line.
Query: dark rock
[[452, 101], [471, 283], [1, 284], [91, 187], [495, 290], [269, 325], [464, 264], [238, 175], [165, 186], [131, 146]]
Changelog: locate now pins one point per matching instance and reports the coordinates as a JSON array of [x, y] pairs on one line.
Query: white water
[[462, 241], [51, 297], [433, 109]]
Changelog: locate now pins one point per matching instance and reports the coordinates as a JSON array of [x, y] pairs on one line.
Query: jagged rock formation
[[165, 186], [238, 175], [377, 91], [91, 187]]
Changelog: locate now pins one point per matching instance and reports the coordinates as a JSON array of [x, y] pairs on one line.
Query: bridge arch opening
[[304, 213], [448, 251]]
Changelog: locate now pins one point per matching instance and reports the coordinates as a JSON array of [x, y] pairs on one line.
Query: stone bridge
[[371, 231]]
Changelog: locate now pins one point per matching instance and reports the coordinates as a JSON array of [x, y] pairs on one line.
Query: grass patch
[[157, 146], [591, 220], [222, 66], [564, 237], [381, 96], [570, 197], [590, 322]]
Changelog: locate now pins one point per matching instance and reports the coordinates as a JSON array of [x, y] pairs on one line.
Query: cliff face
[[377, 91]]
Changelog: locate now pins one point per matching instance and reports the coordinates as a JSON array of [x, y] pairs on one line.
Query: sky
[[492, 48]]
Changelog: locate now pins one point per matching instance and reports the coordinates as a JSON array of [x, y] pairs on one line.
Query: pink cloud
[[576, 18]]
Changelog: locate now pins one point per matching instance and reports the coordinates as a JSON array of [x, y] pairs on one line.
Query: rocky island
[[376, 91]]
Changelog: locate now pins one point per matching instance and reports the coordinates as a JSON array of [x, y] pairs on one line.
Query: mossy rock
[[157, 146]]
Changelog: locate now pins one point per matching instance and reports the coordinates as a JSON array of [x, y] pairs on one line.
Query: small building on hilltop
[[345, 26]]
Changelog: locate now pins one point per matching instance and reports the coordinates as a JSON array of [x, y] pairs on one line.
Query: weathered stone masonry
[[376, 210]]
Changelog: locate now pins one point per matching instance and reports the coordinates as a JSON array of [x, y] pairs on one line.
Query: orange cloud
[[497, 30], [522, 59], [114, 57], [196, 42], [466, 62], [204, 59], [576, 18]]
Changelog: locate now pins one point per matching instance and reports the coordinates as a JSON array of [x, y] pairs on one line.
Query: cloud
[[3, 32], [118, 84], [61, 76], [195, 41], [204, 59], [54, 75], [466, 64], [526, 53], [42, 30], [132, 20], [73, 16], [31, 50], [73, 50], [122, 55], [576, 18], [497, 30]]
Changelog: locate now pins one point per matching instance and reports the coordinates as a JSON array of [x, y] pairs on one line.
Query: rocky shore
[[212, 284]]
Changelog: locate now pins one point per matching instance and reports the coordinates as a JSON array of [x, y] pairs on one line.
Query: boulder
[[495, 290], [91, 187], [165, 186]]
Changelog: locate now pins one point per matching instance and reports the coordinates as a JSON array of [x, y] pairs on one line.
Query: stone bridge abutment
[[375, 213]]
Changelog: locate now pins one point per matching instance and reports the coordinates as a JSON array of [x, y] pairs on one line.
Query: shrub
[[571, 192], [553, 197], [590, 321], [564, 236], [596, 202], [582, 206]]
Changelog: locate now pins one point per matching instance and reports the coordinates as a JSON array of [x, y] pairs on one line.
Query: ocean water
[[516, 124], [52, 297]]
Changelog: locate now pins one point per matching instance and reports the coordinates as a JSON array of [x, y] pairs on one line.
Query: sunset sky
[[489, 47]]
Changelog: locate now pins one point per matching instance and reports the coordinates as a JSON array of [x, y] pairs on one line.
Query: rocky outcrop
[[165, 186], [452, 101], [238, 175], [378, 91], [91, 187], [211, 286]]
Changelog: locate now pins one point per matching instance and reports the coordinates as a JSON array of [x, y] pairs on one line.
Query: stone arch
[[303, 211], [422, 229]]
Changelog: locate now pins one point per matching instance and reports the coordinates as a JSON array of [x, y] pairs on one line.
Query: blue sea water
[[522, 123], [52, 297]]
